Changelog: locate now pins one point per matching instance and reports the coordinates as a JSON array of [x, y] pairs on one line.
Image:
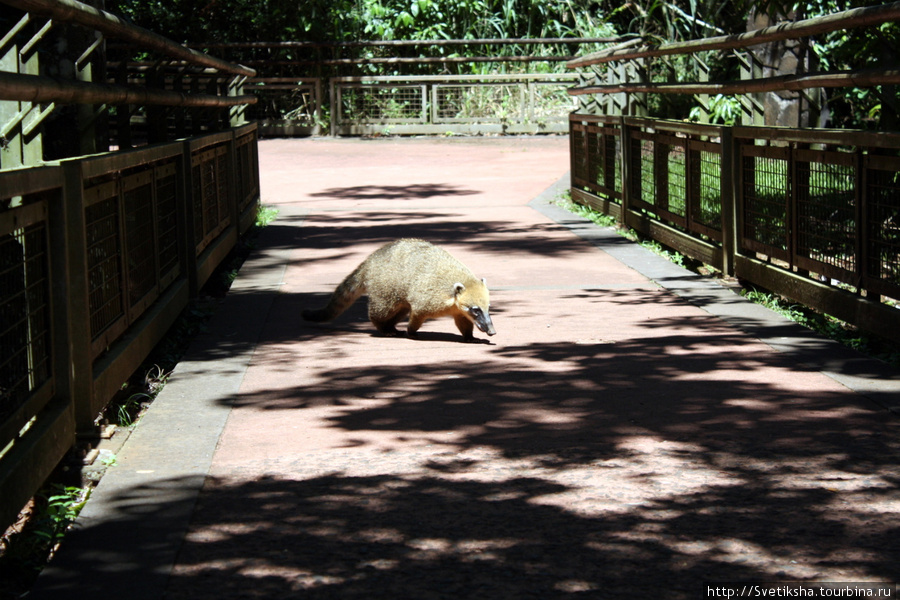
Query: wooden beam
[[861, 78], [114, 27], [42, 89], [858, 17]]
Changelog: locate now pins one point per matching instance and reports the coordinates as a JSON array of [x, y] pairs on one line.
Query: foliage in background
[[214, 21]]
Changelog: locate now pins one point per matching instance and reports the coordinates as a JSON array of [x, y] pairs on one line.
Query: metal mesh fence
[[883, 206], [579, 156], [299, 103], [141, 242], [223, 185], [247, 183], [549, 100], [211, 189], [209, 195], [826, 207], [382, 104], [645, 183], [604, 165], [167, 219], [671, 175], [706, 195], [104, 260], [24, 316], [480, 102], [766, 197]]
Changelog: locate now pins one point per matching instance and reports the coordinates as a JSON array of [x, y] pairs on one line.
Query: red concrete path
[[614, 439]]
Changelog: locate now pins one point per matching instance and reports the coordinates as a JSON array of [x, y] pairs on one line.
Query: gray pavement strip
[[866, 376]]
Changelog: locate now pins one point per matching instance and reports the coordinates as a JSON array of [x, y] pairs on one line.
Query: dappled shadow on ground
[[636, 467], [643, 464], [344, 230], [414, 191], [390, 536]]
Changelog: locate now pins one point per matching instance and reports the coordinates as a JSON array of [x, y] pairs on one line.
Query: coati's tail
[[343, 297]]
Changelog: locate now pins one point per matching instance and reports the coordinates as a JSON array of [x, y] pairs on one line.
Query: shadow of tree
[[648, 466], [339, 536], [639, 466], [414, 191]]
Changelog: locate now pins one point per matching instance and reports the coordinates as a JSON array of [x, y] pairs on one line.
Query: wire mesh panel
[[479, 102], [671, 177], [382, 103], [247, 180], [104, 263], [24, 318], [766, 196], [661, 162], [883, 219], [642, 169], [827, 227], [579, 158], [291, 102], [223, 184], [550, 101], [706, 188], [140, 238], [166, 176], [604, 164], [211, 191]]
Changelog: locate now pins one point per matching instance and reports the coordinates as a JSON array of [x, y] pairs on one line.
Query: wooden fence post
[[75, 281], [627, 174], [729, 197]]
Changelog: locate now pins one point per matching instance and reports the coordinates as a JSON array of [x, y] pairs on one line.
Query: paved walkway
[[631, 431]]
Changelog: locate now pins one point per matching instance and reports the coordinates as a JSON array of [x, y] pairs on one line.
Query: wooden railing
[[101, 251], [410, 86], [811, 214]]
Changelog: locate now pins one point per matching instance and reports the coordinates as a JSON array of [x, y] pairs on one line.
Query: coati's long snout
[[416, 279]]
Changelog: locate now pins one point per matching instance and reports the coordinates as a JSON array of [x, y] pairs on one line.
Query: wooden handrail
[[113, 26], [833, 79], [857, 17], [42, 89], [395, 43]]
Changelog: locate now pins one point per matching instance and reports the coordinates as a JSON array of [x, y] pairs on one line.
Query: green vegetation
[[658, 21], [27, 546], [828, 326]]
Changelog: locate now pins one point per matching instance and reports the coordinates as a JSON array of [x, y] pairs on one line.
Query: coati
[[416, 278]]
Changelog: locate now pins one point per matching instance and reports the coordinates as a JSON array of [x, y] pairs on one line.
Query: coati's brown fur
[[416, 278]]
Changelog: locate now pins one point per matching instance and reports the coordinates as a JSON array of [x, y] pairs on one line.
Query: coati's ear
[[458, 287], [484, 281]]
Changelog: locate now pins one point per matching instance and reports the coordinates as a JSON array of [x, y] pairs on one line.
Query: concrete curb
[[166, 459]]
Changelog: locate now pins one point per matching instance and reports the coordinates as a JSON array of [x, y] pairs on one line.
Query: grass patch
[[28, 545]]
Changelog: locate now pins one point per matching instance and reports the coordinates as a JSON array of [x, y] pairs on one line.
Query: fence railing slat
[[817, 225]]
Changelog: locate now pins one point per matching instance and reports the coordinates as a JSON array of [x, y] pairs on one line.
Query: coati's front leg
[[465, 327]]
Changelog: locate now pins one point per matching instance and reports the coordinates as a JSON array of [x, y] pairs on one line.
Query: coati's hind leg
[[385, 317], [416, 321]]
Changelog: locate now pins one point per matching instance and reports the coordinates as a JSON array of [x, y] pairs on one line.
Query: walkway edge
[[866, 376], [165, 461]]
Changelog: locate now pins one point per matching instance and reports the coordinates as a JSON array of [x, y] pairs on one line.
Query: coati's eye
[[475, 310]]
